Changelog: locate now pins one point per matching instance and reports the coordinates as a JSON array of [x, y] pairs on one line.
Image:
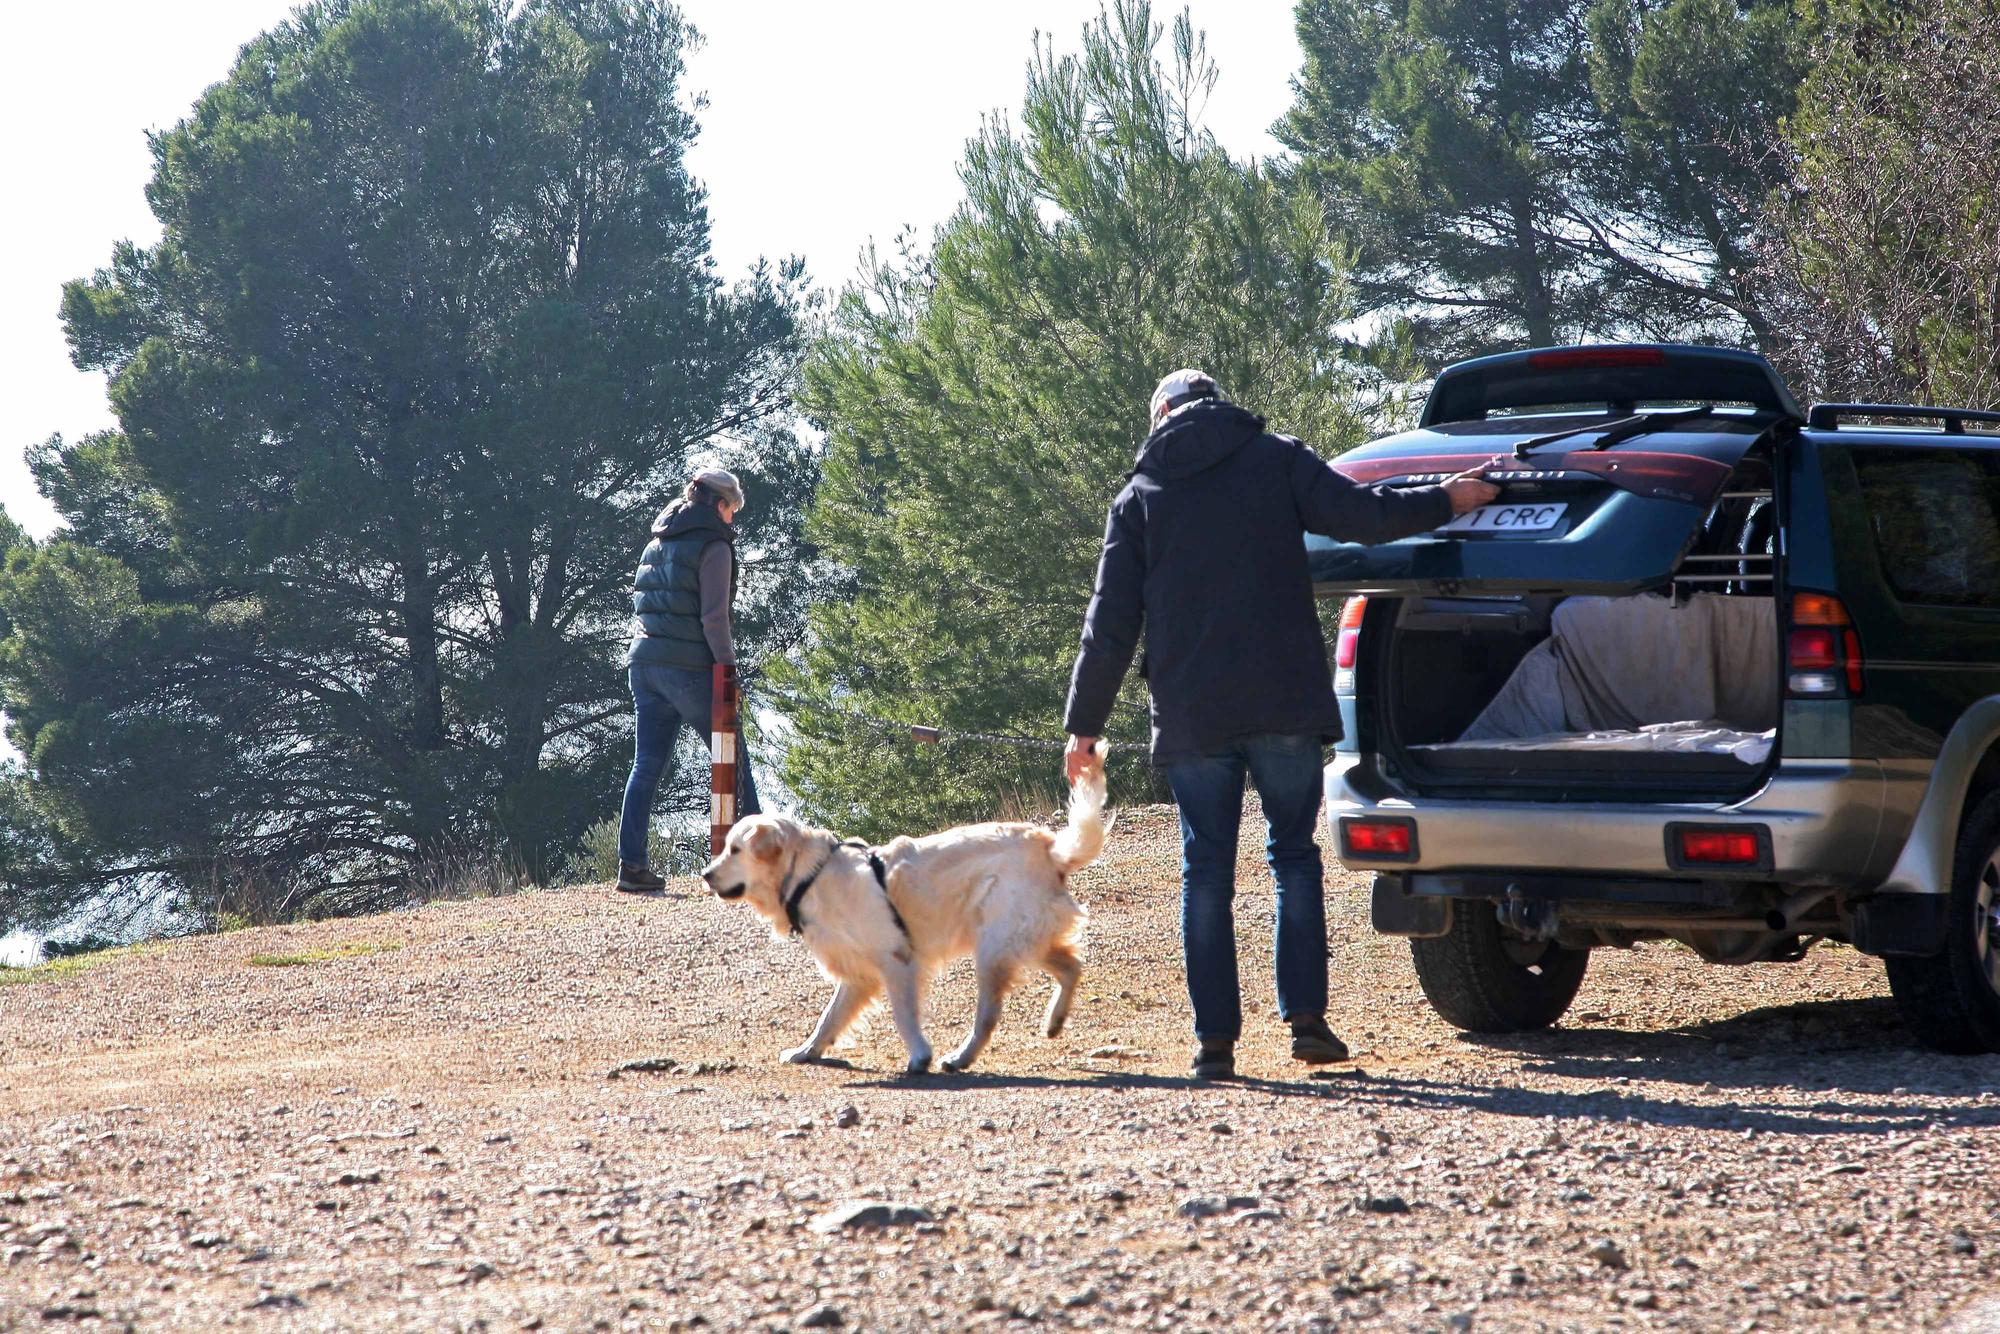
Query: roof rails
[[1617, 375], [1826, 416]]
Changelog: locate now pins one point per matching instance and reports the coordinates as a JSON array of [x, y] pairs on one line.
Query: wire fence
[[934, 735]]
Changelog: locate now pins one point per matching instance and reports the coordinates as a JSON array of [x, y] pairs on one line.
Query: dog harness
[[875, 864]]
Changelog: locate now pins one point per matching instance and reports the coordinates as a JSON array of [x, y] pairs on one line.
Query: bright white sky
[[829, 124]]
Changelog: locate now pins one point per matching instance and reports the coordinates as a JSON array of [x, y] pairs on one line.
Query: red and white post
[[722, 754]]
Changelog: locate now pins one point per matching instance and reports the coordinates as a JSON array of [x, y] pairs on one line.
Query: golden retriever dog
[[885, 920]]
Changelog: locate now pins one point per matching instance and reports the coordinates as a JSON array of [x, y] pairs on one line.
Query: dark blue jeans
[[665, 699], [1209, 792]]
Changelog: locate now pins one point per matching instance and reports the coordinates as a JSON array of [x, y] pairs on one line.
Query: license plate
[[1507, 519]]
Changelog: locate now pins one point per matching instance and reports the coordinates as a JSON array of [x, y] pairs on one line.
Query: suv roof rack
[[1826, 416], [1619, 375]]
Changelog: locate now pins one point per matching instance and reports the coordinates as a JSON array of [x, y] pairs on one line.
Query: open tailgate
[[1570, 518], [1580, 522]]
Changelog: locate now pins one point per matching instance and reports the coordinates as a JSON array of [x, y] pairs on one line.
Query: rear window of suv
[[1935, 514]]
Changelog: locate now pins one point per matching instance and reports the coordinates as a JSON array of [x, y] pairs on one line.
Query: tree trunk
[[1530, 282], [1531, 288], [1732, 267], [420, 634], [529, 649]]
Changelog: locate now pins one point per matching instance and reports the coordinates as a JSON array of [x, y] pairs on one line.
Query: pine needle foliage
[[982, 403], [431, 331]]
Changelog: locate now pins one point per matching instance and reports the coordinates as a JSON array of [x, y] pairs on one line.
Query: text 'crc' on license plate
[[1507, 519]]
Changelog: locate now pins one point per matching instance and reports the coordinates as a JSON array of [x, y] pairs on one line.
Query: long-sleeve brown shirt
[[718, 579]]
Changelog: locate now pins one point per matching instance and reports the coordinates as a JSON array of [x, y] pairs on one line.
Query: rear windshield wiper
[[1618, 432]]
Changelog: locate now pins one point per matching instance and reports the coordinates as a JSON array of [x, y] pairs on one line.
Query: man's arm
[[716, 574], [1111, 626], [1345, 511]]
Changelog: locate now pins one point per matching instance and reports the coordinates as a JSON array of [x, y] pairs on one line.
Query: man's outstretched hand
[[1469, 490], [1078, 756]]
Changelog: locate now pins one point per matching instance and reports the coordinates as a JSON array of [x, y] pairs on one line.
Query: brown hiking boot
[[638, 880]]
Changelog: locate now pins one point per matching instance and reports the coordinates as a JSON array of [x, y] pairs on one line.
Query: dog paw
[[799, 1056], [919, 1065], [956, 1064]]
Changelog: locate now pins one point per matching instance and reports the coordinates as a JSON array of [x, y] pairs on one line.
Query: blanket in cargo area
[[1683, 738], [1625, 664]]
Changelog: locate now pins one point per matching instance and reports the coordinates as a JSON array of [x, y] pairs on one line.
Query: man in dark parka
[[1204, 551]]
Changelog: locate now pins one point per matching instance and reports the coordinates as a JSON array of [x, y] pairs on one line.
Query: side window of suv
[[1935, 514]]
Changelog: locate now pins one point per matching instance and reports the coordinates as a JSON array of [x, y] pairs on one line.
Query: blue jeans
[[1209, 792], [665, 699]]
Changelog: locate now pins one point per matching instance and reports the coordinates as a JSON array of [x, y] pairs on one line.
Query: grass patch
[[55, 970], [352, 949]]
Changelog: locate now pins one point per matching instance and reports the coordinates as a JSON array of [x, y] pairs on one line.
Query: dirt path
[[415, 1128]]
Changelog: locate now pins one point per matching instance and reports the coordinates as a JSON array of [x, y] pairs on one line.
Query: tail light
[[1822, 652], [1347, 647], [1693, 845], [1378, 839], [1595, 358]]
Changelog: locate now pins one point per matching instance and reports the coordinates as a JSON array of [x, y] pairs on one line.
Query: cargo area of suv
[[1488, 697]]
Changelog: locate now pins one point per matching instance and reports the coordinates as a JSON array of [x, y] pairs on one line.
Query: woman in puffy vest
[[681, 599]]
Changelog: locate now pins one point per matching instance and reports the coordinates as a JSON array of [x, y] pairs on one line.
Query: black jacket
[[1205, 551]]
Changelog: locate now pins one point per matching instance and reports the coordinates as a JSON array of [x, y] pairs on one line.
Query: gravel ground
[[416, 1125]]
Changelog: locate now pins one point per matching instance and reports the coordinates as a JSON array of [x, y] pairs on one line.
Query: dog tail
[[1081, 839]]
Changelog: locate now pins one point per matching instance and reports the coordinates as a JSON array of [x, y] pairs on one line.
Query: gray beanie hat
[[724, 484]]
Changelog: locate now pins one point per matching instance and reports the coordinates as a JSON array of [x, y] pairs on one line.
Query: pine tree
[[1891, 261], [430, 334], [1540, 171], [983, 401], [1699, 92]]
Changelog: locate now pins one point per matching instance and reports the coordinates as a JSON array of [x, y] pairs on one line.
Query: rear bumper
[[1824, 820]]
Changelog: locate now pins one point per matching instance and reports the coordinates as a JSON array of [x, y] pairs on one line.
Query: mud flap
[[1394, 911], [1899, 924]]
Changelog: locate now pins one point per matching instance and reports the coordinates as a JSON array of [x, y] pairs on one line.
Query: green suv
[[1710, 669]]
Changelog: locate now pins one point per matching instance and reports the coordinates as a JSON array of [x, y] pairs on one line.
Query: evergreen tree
[[430, 334], [1699, 91], [1537, 171], [982, 403], [1890, 266], [1441, 133]]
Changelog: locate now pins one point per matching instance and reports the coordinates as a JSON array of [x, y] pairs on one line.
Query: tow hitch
[[1530, 918]]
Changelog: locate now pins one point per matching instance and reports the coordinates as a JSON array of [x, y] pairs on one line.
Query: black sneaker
[[1314, 1043], [638, 880], [1215, 1060]]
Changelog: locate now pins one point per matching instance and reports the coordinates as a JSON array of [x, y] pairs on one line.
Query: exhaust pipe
[[1787, 914]]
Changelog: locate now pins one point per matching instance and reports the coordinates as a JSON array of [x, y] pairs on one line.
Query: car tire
[[1951, 1001], [1483, 978]]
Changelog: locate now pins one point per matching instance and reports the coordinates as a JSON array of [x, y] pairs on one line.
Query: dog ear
[[764, 841]]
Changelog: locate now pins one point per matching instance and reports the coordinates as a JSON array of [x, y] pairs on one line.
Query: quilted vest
[[666, 590]]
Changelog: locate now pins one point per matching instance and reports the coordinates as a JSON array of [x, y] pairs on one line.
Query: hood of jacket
[[1196, 438], [683, 517]]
